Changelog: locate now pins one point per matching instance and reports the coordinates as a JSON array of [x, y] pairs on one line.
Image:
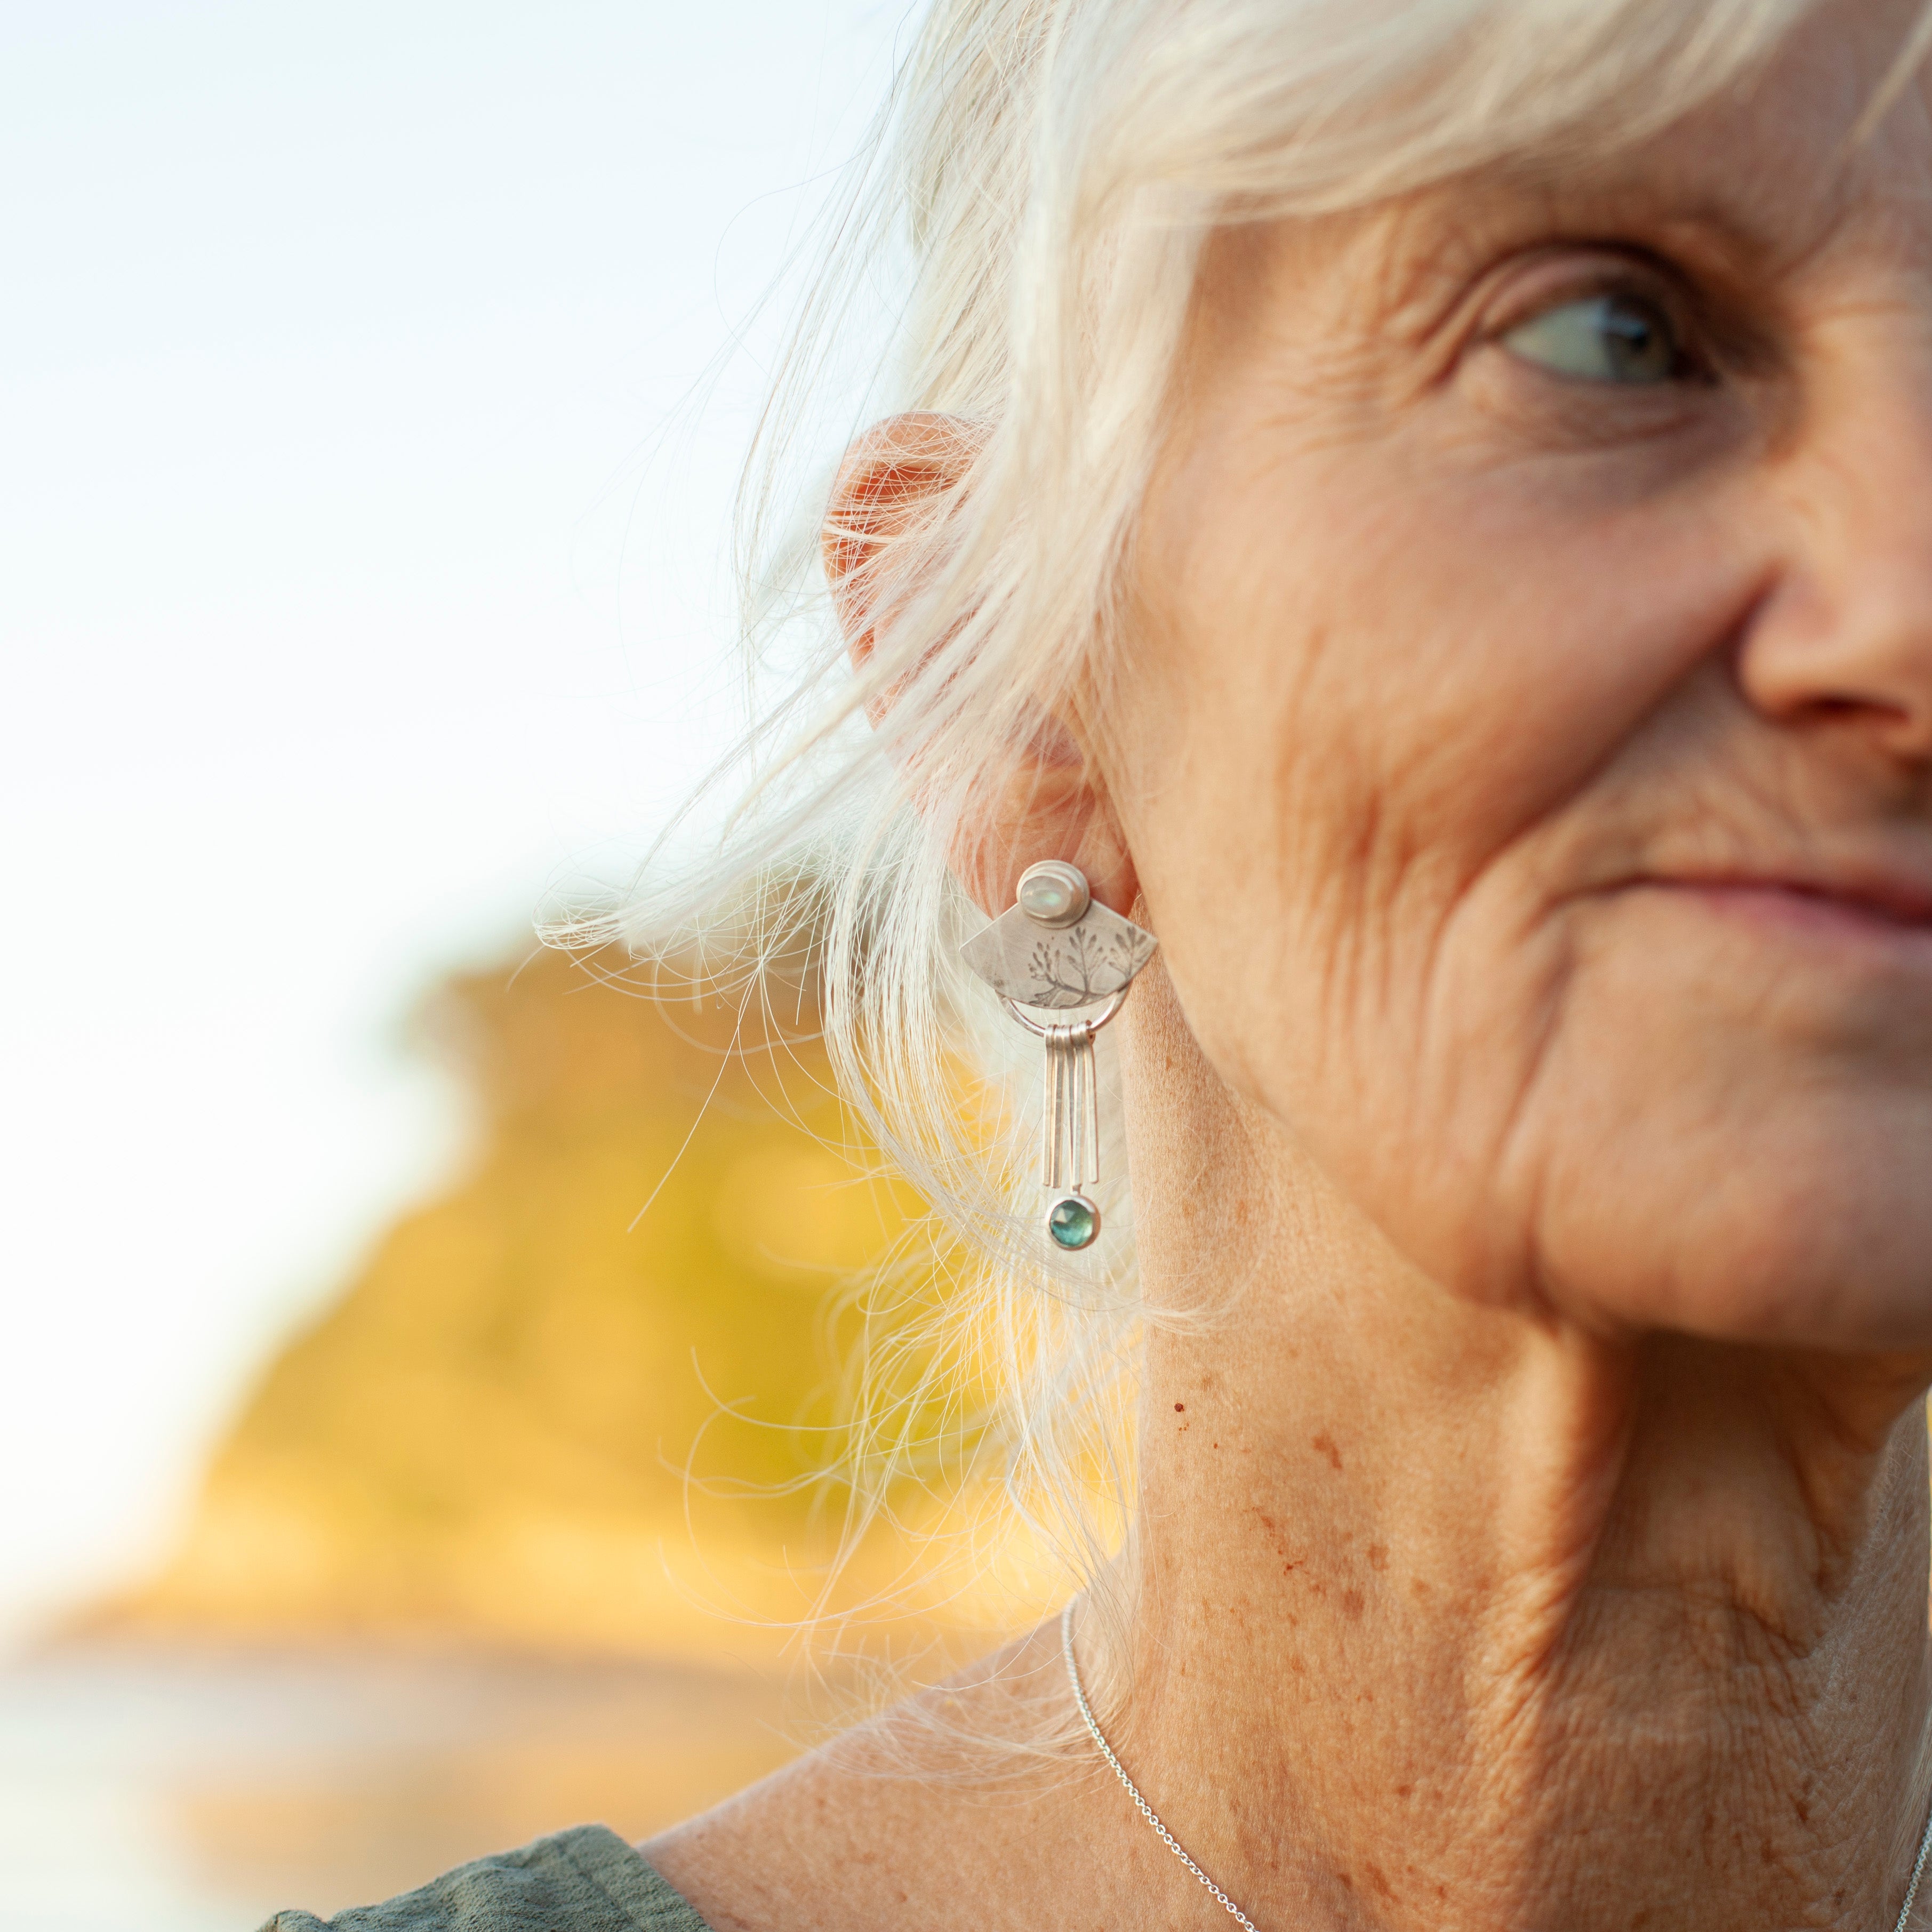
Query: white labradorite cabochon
[[1054, 892], [1057, 968]]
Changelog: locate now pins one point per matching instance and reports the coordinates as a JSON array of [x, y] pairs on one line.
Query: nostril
[[1829, 707]]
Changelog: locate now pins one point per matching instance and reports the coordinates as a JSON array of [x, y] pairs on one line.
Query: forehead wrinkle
[[1785, 166], [1744, 194], [1747, 188]]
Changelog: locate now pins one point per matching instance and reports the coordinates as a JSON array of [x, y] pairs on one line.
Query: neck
[[1450, 1616]]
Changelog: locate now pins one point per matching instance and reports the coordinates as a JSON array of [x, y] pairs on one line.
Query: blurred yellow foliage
[[488, 1433]]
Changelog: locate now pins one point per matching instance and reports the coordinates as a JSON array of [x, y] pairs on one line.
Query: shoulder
[[585, 1880], [943, 1812]]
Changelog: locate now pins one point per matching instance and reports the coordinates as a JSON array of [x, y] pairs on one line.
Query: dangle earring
[[1056, 950]]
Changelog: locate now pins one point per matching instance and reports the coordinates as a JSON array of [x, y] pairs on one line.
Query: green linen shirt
[[585, 1880]]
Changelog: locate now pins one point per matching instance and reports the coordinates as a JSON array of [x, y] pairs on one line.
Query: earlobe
[[1049, 802], [897, 480], [1049, 812]]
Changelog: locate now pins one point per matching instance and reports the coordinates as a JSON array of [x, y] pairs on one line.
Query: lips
[[1887, 899]]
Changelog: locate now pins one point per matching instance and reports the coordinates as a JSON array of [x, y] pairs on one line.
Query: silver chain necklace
[[1219, 1897]]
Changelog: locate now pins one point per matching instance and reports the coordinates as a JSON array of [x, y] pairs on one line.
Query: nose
[[1845, 636]]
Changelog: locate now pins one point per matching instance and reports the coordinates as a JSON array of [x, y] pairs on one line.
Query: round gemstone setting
[[1054, 892], [1073, 1222]]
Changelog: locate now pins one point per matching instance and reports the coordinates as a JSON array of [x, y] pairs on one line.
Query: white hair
[[1036, 194]]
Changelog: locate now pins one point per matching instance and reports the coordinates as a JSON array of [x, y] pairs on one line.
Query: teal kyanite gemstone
[[1073, 1221]]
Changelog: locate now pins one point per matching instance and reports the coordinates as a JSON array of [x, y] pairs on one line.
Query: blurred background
[[373, 380]]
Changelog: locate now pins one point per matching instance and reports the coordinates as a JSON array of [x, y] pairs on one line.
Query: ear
[[1049, 800]]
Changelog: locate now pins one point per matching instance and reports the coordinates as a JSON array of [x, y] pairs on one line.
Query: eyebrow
[[1652, 199], [1644, 206]]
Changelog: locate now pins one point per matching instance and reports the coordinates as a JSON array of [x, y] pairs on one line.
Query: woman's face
[[1526, 747]]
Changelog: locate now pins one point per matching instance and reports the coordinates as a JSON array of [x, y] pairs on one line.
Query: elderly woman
[[1425, 512]]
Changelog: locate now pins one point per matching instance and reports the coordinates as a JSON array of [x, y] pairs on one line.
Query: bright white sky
[[350, 595]]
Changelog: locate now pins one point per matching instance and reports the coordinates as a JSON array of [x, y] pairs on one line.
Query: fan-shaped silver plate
[[1059, 968]]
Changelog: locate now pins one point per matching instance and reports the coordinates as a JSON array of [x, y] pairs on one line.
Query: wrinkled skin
[[1529, 776], [1522, 746]]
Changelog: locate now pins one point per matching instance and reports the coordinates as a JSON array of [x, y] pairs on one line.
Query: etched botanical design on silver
[[1081, 967], [1057, 970]]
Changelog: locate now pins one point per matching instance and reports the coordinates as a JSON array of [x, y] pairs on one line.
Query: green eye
[[1606, 338]]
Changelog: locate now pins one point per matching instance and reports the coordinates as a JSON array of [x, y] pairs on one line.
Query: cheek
[[1363, 691], [1726, 1144]]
